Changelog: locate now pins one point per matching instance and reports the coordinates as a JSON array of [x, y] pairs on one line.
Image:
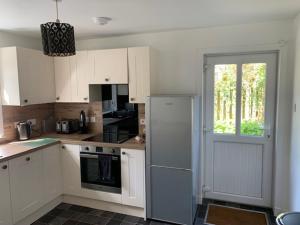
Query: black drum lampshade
[[58, 39]]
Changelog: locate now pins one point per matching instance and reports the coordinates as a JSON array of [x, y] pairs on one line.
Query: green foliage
[[251, 128]]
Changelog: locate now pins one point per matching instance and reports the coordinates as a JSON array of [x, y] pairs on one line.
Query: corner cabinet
[[5, 204], [27, 77], [73, 75], [110, 66], [133, 177], [52, 173], [70, 160], [141, 73], [26, 176]]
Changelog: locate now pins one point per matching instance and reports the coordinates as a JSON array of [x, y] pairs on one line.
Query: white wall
[[180, 59], [295, 137], [8, 39]]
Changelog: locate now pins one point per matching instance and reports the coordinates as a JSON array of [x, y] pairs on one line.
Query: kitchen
[[151, 118]]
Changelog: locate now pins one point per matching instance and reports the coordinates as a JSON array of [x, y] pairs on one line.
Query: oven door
[[101, 172]]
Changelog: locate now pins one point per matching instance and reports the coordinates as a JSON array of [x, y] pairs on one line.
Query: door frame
[[279, 184], [269, 121]]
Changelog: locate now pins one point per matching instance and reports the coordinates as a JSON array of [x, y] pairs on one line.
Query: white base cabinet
[[133, 177], [52, 173], [5, 204], [26, 176], [70, 160]]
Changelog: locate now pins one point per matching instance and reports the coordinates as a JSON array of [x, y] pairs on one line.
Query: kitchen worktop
[[19, 148]]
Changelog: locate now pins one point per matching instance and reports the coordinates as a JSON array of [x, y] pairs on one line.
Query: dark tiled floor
[[66, 214]]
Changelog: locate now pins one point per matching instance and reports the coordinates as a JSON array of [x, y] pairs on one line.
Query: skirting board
[[39, 213], [108, 206]]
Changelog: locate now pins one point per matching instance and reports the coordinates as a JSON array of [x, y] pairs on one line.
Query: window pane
[[253, 99], [225, 98]]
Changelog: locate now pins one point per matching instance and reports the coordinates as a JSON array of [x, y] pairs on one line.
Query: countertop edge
[[28, 151]]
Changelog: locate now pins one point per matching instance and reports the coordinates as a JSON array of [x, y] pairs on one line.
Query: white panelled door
[[239, 127]]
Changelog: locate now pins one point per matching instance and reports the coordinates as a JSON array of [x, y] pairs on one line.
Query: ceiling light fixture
[[101, 20], [58, 38]]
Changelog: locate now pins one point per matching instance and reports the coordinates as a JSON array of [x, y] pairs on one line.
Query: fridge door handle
[[173, 168]]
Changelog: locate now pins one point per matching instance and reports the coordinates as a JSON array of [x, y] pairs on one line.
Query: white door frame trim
[[278, 202]]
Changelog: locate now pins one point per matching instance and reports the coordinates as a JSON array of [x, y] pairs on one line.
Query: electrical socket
[[92, 119], [32, 122], [142, 121]]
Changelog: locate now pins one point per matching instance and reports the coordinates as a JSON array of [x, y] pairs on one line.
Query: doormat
[[224, 215]]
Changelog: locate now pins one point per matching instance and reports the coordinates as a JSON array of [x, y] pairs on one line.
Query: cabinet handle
[[132, 99], [123, 153], [106, 79], [85, 99], [26, 100], [4, 167], [27, 159], [63, 147], [57, 98]]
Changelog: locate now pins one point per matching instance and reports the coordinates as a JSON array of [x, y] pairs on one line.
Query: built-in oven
[[101, 168]]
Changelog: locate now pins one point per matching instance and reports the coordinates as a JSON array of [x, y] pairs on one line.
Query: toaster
[[67, 126]]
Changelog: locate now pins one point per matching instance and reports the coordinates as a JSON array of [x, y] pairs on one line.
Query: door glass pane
[[225, 98], [253, 99]]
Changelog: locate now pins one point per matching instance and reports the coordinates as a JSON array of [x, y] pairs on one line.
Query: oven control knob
[[87, 148]]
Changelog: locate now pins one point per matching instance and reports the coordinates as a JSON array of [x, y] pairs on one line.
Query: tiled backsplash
[[13, 114], [72, 111]]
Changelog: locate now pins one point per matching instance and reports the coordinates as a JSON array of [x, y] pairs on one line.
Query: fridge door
[[171, 195], [170, 129]]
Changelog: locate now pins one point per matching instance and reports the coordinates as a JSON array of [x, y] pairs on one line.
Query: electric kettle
[[24, 130]]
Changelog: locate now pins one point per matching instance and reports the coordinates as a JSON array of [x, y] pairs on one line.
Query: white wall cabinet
[[110, 66], [27, 77], [133, 177], [52, 173], [141, 71], [26, 176], [72, 77], [5, 204], [63, 79], [70, 161]]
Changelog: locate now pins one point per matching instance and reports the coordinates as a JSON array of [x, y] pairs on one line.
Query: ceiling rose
[[58, 38]]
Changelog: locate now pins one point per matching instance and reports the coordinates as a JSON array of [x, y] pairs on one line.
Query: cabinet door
[[26, 174], [52, 173], [110, 66], [81, 75], [5, 204], [139, 74], [36, 77], [71, 169], [63, 79], [133, 177]]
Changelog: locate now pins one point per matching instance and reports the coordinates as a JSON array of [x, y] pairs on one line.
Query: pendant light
[[58, 38]]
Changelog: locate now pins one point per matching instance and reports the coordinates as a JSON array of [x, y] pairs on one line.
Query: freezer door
[[170, 131], [171, 195]]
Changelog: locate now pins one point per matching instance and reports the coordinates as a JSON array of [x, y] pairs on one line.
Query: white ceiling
[[137, 16]]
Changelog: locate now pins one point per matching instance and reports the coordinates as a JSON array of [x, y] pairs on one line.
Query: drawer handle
[[25, 100], [27, 159], [4, 167], [106, 79]]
